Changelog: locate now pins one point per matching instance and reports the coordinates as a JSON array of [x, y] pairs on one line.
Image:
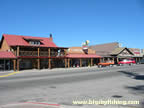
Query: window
[[34, 42]]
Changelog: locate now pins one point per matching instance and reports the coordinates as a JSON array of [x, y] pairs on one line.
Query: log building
[[79, 57], [19, 52]]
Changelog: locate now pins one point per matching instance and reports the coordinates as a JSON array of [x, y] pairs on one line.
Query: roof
[[136, 51], [83, 56], [79, 50], [19, 40], [119, 50], [104, 49], [6, 54]]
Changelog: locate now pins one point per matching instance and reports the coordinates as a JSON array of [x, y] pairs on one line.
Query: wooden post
[[38, 60], [38, 63], [14, 65], [18, 50], [65, 62], [80, 62], [17, 54], [17, 64], [38, 52], [68, 62], [49, 60], [117, 60], [91, 62]]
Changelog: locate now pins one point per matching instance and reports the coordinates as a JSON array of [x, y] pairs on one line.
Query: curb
[[31, 105]]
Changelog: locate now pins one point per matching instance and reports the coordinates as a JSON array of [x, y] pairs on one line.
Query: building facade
[[81, 57], [27, 52], [18, 52], [114, 51]]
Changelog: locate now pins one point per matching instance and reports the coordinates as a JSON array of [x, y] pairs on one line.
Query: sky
[[71, 22]]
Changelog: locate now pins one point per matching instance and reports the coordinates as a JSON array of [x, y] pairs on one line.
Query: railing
[[28, 53], [57, 54], [42, 53]]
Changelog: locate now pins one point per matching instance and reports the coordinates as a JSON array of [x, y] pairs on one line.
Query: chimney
[[51, 38]]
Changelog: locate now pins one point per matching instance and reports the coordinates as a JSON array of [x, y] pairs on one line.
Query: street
[[62, 86]]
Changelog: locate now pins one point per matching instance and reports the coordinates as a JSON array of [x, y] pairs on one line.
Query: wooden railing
[[28, 53], [57, 54], [42, 53]]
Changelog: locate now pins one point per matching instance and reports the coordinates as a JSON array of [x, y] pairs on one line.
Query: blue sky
[[73, 21]]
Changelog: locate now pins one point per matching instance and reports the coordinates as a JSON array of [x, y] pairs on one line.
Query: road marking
[[9, 74]]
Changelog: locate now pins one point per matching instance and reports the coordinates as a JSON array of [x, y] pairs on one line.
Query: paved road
[[63, 85]]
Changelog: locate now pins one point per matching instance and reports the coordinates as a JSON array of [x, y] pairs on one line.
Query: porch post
[[117, 60], [38, 63], [17, 64], [18, 51], [91, 62], [49, 60], [14, 65], [65, 62], [18, 48], [68, 62], [80, 62], [38, 60]]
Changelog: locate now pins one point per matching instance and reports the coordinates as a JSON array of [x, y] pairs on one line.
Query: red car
[[127, 61]]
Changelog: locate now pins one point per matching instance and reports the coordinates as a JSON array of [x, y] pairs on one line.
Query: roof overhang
[[7, 55]]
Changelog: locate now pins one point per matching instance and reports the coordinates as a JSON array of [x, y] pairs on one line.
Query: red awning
[[83, 56], [5, 54]]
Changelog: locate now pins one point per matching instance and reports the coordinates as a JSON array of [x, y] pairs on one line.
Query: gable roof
[[119, 50], [104, 49], [19, 40]]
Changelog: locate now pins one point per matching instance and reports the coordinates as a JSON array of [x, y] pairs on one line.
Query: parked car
[[141, 61], [127, 61], [108, 63]]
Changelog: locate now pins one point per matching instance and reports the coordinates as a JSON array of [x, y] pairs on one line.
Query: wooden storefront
[[77, 57], [32, 52]]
